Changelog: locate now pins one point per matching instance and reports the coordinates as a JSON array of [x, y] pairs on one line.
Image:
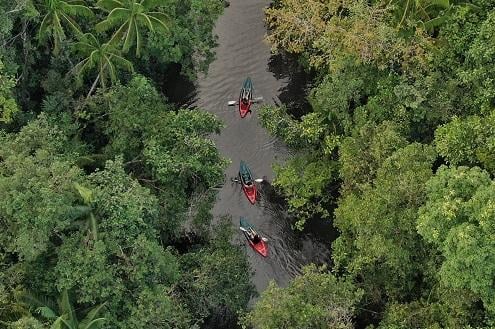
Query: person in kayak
[[253, 236], [246, 180], [236, 180], [245, 97]]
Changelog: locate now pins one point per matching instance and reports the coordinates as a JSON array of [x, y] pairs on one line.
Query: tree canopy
[[396, 150]]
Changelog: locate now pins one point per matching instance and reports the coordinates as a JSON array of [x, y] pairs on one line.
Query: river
[[242, 52]]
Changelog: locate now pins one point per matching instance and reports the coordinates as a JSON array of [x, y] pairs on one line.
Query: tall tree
[[103, 57], [130, 16], [56, 12], [379, 243], [459, 219], [313, 300]]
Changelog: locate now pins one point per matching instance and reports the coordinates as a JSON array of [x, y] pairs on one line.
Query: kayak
[[247, 182], [247, 89], [260, 247]]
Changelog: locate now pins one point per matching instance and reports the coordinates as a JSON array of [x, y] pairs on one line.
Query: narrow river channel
[[242, 52]]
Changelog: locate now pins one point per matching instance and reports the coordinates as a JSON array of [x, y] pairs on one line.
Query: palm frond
[[67, 309], [158, 22], [93, 324], [109, 5], [86, 44], [83, 66], [110, 67], [58, 324], [115, 17], [117, 36], [35, 301], [118, 15], [103, 26], [76, 2], [138, 41], [130, 35], [150, 4], [43, 31], [122, 62], [83, 47], [72, 24], [89, 320], [85, 193], [46, 312], [78, 10], [57, 26], [445, 4], [145, 20]]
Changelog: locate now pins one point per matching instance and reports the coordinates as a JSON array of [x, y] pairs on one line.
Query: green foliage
[[36, 187], [103, 57], [328, 34], [335, 98], [174, 146], [125, 208], [480, 72], [315, 299], [379, 243], [8, 105], [391, 74], [216, 278], [305, 181], [457, 219], [26, 322], [454, 309], [65, 317], [95, 191], [57, 11], [426, 13], [468, 141], [131, 16], [155, 309], [363, 153], [279, 123], [190, 39]]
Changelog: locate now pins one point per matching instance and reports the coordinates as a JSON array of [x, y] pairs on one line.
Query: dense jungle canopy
[[401, 124], [106, 187]]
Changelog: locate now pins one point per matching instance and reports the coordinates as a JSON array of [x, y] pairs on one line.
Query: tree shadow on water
[[294, 94]]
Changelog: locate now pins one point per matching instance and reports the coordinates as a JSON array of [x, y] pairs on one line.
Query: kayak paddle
[[254, 100], [236, 180], [245, 230]]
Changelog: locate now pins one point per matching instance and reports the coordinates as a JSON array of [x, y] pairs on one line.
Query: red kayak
[[244, 108], [246, 97], [250, 192], [247, 182], [259, 246]]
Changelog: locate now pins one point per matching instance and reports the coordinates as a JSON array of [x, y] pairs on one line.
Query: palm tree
[[56, 12], [64, 315], [104, 57], [130, 16], [429, 13]]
